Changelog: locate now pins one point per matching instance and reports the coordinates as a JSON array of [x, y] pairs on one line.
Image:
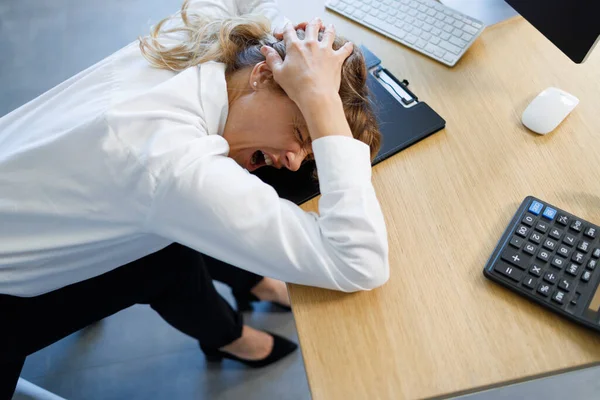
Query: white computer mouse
[[548, 110]]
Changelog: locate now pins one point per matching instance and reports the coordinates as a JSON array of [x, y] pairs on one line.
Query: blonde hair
[[236, 42]]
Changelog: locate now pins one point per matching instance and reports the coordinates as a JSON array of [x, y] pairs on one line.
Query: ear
[[261, 76]]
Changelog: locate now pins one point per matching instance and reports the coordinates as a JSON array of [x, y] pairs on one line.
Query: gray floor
[[134, 354]]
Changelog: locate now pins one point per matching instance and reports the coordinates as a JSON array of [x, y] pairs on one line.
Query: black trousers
[[176, 282]]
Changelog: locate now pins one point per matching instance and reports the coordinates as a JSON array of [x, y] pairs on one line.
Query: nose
[[292, 161]]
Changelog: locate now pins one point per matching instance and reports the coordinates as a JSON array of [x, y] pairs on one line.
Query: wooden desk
[[439, 327]]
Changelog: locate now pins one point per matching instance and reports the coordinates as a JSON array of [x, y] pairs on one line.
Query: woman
[[115, 181]]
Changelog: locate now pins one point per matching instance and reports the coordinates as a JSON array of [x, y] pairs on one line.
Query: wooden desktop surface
[[438, 326]]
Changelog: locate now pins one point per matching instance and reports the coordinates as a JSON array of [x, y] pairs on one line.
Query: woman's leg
[[247, 286], [173, 281]]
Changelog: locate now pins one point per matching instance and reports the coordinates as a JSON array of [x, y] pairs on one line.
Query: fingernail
[[317, 19]]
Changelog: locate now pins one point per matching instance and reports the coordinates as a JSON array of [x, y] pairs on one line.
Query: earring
[[255, 84]]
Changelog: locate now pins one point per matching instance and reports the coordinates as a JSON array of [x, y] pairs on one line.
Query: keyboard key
[[421, 43], [590, 232], [508, 271], [535, 270], [472, 31], [583, 245], [435, 40], [558, 262], [430, 20], [408, 28], [450, 58], [477, 25], [417, 32], [591, 265], [577, 225], [541, 227], [456, 50], [438, 52], [421, 17], [422, 8], [572, 269], [412, 12], [459, 24], [427, 28], [578, 257], [410, 38], [436, 31], [431, 12], [513, 257], [562, 219], [544, 255], [558, 297], [529, 282], [564, 251], [549, 213], [536, 238], [426, 36], [555, 234], [440, 16], [551, 277], [467, 37], [536, 207], [431, 49], [457, 32], [569, 239], [448, 12], [449, 20], [565, 284], [586, 276], [458, 42], [530, 249], [550, 244], [543, 289], [575, 299], [596, 253], [445, 35], [528, 220]]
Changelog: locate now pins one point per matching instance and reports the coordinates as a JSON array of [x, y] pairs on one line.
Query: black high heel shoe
[[281, 348], [243, 301]]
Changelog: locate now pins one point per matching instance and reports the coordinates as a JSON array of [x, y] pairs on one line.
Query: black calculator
[[550, 257]]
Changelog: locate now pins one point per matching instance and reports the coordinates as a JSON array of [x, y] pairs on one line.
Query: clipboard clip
[[398, 89]]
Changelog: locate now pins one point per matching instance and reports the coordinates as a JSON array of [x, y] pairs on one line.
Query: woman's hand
[[310, 75]]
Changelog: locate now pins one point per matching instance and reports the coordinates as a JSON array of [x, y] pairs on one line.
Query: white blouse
[[123, 159]]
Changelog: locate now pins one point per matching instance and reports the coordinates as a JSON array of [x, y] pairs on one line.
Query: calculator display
[[595, 303]]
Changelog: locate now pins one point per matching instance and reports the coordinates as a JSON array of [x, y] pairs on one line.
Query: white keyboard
[[423, 25]]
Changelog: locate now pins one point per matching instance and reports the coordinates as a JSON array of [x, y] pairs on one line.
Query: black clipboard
[[403, 121]]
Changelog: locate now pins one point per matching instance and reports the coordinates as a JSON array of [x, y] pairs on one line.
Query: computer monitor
[[572, 25]]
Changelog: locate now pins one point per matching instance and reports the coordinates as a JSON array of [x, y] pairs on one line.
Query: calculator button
[[586, 276], [528, 220], [529, 282], [562, 219], [516, 242], [555, 233], [575, 298], [522, 231], [583, 245], [596, 253], [558, 297], [529, 249], [577, 225], [591, 265], [569, 239], [565, 284], [558, 262], [515, 258], [578, 257], [541, 227], [536, 238], [563, 251], [572, 269], [536, 207], [590, 232], [551, 278], [549, 213], [544, 255], [535, 270], [543, 289], [509, 271], [550, 244]]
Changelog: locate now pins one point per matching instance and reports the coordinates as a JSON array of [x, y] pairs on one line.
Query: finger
[[289, 34], [312, 30], [345, 51], [278, 33], [272, 58], [328, 36]]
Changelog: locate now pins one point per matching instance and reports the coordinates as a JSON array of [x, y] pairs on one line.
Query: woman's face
[[264, 127]]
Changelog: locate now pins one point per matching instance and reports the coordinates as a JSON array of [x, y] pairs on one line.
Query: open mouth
[[260, 159]]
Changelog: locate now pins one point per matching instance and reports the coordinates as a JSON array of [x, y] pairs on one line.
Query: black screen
[[572, 25]]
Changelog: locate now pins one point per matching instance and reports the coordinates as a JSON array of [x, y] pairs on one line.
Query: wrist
[[324, 116]]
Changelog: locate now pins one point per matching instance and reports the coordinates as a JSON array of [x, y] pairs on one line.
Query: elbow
[[367, 273]]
